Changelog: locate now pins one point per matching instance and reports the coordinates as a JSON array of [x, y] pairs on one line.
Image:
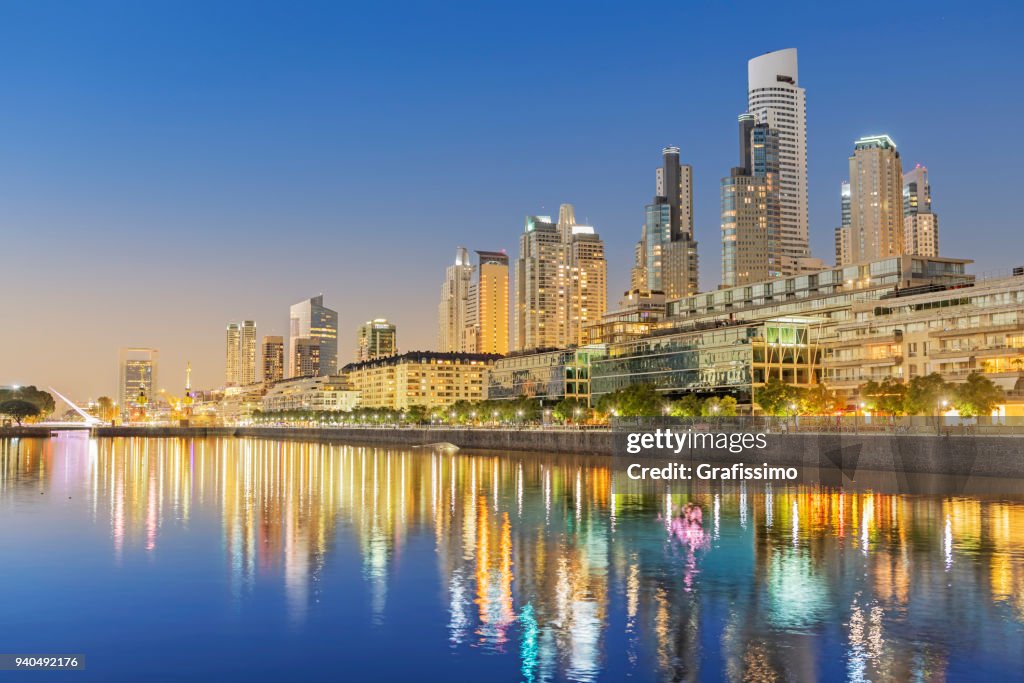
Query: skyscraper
[[843, 231], [312, 320], [452, 312], [560, 281], [920, 223], [876, 200], [232, 362], [240, 354], [666, 256], [136, 377], [774, 97], [540, 285], [752, 247], [588, 282], [306, 359], [487, 305], [376, 339], [273, 358]]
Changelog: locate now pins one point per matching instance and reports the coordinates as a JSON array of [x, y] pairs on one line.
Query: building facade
[[427, 379], [273, 359], [548, 376], [638, 313], [136, 378], [488, 330], [560, 281], [240, 354], [920, 223], [330, 393], [727, 358], [306, 360], [666, 255], [473, 313], [751, 210], [376, 339], [876, 201], [775, 98], [733, 339], [311, 320], [453, 310], [953, 331]]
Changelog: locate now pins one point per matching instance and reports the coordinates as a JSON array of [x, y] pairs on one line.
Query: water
[[229, 559]]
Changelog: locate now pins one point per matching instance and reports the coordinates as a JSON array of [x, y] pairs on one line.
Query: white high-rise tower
[[775, 97]]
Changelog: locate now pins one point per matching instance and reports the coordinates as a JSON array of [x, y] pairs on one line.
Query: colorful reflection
[[535, 558]]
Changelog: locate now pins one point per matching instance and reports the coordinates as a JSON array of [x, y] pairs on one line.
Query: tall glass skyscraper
[[310, 319]]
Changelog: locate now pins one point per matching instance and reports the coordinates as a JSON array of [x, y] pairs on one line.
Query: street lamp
[[938, 417]]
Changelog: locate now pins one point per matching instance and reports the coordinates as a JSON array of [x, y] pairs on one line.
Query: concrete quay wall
[[997, 456]]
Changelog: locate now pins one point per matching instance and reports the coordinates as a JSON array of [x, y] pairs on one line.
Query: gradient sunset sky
[[169, 167]]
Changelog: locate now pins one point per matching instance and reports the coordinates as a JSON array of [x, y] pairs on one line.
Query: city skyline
[[186, 321]]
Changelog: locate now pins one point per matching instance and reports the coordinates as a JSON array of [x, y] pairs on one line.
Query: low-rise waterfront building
[[732, 340], [237, 404], [638, 312], [420, 378], [953, 332], [310, 393], [548, 375], [722, 358]]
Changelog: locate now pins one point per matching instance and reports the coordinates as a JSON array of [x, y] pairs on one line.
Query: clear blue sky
[[168, 167]]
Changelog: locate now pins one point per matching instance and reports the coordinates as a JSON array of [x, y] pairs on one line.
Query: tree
[[888, 397], [925, 394], [19, 409], [571, 410], [416, 414], [636, 400], [687, 406], [719, 407], [977, 396], [819, 400], [41, 399], [776, 397], [105, 408]]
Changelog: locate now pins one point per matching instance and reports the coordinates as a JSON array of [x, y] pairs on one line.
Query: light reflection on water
[[521, 567]]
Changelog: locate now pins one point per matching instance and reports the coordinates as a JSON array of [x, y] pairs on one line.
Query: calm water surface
[[234, 559]]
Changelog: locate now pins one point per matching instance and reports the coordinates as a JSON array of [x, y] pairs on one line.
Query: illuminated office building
[[311, 320], [376, 339], [306, 359], [136, 377], [752, 245], [273, 358]]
